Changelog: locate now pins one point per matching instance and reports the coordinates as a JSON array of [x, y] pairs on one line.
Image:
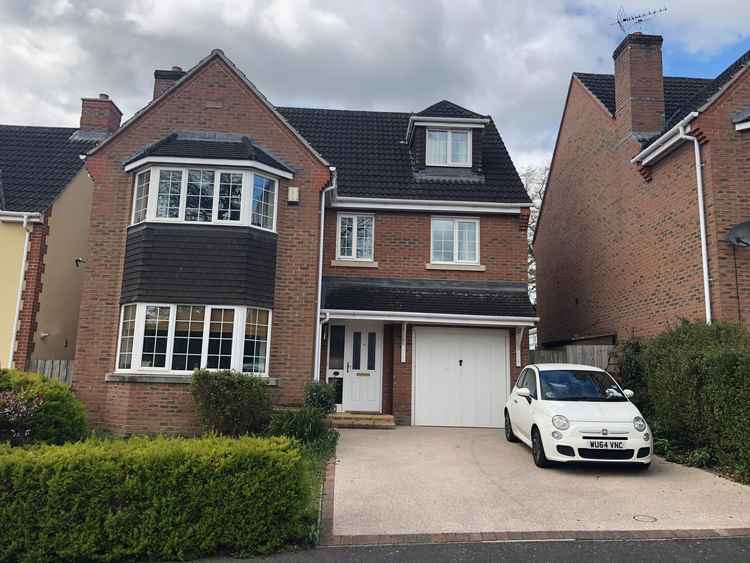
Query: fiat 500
[[568, 412]]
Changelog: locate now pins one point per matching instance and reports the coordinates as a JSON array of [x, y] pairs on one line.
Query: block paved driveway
[[419, 480]]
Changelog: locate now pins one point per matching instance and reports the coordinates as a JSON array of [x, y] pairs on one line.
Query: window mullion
[[135, 360], [170, 336], [183, 193], [355, 219], [215, 199], [153, 189], [455, 241], [206, 332], [247, 194], [238, 337]]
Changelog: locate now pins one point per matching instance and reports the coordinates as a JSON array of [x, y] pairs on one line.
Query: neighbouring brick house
[[45, 195], [384, 252], [621, 249]]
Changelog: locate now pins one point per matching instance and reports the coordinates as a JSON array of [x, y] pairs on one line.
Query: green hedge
[[308, 424], [692, 383], [321, 396], [160, 498], [60, 417], [231, 403]]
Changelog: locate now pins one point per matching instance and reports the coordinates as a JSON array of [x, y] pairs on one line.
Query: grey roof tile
[[37, 163]]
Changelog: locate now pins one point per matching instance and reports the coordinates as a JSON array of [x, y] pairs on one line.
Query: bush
[[632, 375], [307, 425], [231, 403], [321, 396], [676, 363], [59, 418], [150, 498]]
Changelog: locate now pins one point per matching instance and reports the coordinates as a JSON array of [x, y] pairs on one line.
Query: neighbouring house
[[383, 252], [650, 176], [45, 196]]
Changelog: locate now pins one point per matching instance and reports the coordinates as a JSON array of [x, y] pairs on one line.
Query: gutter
[[663, 144], [701, 217], [25, 219], [318, 321]]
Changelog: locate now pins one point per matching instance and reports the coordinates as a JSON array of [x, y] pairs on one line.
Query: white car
[[569, 412]]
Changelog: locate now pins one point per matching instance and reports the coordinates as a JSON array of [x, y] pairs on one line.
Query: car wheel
[[537, 449], [509, 429]]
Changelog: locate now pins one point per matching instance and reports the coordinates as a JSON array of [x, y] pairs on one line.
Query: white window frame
[[456, 221], [245, 219], [238, 338], [135, 195], [449, 161], [354, 217]]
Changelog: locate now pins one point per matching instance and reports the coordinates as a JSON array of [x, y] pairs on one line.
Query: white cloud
[[509, 59]]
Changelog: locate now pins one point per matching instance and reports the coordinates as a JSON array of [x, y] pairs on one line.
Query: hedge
[[60, 417], [308, 425], [159, 498]]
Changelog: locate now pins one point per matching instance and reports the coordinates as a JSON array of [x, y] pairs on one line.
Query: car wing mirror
[[523, 392], [628, 393]]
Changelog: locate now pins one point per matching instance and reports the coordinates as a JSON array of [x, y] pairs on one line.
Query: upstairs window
[[455, 241], [448, 147], [204, 195], [355, 238]]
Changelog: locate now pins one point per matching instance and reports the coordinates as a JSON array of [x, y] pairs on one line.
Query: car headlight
[[560, 422], [639, 424]]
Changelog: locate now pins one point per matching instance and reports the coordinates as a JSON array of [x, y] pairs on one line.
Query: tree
[[534, 179]]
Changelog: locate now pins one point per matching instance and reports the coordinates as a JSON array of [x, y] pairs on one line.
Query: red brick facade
[[214, 98], [32, 289], [620, 255]]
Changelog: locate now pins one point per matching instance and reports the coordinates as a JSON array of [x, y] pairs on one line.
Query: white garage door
[[460, 376]]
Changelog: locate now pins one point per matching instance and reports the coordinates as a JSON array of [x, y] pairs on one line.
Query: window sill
[[354, 263], [462, 267], [162, 377]]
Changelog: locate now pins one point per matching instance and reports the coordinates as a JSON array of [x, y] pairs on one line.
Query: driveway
[[419, 480]]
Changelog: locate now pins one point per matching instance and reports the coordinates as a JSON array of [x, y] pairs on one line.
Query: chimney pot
[[103, 96], [177, 68]]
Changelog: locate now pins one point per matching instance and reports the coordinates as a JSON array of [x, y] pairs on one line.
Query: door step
[[373, 421]]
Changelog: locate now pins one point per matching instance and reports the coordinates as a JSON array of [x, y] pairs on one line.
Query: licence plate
[[606, 445]]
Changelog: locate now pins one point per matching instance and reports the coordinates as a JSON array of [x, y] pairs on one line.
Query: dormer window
[[448, 147]]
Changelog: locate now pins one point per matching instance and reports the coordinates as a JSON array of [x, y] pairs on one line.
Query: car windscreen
[[579, 385]]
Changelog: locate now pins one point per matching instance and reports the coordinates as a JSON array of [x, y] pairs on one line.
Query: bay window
[[455, 241], [205, 195], [355, 237], [448, 147], [167, 338]]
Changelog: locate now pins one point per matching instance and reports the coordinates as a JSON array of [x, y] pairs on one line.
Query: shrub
[[307, 425], [17, 415], [150, 498], [231, 403], [676, 363], [60, 417], [321, 396], [632, 375]]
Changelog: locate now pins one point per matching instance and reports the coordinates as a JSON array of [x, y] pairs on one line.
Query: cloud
[[509, 59]]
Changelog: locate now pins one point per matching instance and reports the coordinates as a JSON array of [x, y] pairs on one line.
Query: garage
[[461, 376]]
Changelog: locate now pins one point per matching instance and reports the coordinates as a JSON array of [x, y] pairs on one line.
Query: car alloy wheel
[[509, 429], [537, 449]]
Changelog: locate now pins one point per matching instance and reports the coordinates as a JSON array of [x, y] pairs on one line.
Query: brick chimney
[[100, 115], [165, 79], [639, 84]]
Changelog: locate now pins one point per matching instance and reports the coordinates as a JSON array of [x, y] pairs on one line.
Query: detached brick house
[[649, 178], [45, 195], [383, 252]]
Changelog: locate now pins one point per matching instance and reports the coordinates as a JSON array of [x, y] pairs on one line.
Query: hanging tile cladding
[[202, 264]]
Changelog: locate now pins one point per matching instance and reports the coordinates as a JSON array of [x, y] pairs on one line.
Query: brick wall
[[214, 99], [617, 254], [402, 377], [402, 248], [32, 288]]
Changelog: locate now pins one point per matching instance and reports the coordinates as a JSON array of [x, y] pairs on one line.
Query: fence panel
[[588, 354], [60, 370]]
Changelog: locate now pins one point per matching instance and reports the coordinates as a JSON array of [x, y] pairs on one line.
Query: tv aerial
[[626, 22]]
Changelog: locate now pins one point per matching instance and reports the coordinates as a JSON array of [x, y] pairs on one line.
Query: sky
[[511, 59]]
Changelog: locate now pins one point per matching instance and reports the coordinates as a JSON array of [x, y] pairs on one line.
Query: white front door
[[461, 376], [362, 365]]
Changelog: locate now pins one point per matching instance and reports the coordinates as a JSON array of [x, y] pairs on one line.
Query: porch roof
[[421, 296]]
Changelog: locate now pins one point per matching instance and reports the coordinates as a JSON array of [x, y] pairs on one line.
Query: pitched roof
[[445, 108], [427, 296], [677, 90], [372, 158], [37, 163], [229, 146]]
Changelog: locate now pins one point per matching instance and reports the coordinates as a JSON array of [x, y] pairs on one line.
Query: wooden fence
[[61, 370], [588, 354]]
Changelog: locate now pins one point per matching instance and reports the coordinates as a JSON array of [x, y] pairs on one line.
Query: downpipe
[[701, 217], [318, 321]]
